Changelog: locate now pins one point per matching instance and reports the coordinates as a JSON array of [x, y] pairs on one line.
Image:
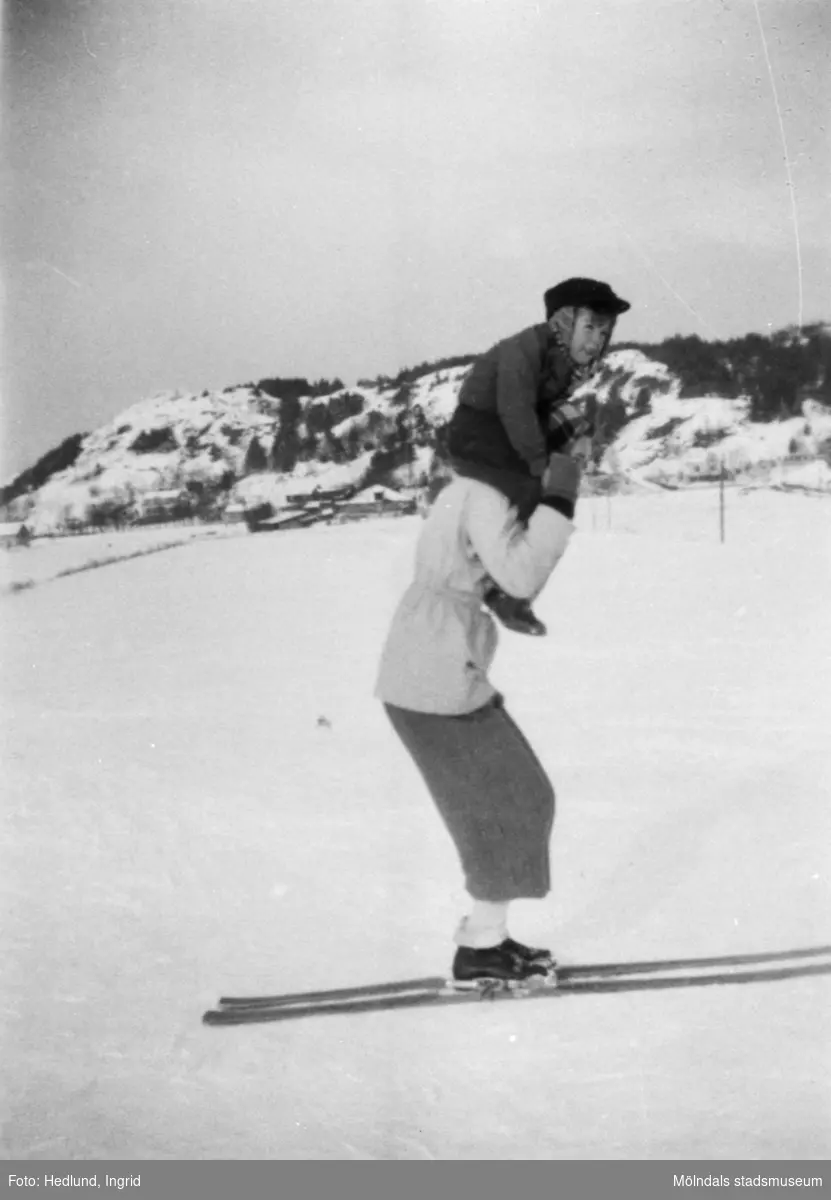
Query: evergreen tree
[[256, 459]]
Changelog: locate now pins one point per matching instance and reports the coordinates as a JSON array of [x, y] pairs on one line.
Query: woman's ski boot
[[510, 966]]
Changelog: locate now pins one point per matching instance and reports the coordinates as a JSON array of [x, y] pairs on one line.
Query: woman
[[486, 781]]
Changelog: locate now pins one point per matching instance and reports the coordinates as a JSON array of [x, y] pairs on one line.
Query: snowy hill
[[177, 454], [671, 438], [218, 446]]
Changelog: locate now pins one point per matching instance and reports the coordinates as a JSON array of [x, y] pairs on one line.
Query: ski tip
[[214, 1017]]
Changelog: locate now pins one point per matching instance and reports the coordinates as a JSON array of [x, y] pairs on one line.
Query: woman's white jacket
[[441, 641]]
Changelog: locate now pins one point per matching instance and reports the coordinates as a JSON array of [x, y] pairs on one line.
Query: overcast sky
[[206, 192]]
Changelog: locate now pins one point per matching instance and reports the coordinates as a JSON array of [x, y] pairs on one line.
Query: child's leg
[[522, 491], [479, 449], [515, 612]]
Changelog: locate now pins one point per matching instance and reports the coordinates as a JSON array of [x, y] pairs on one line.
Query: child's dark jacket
[[497, 433], [505, 381]]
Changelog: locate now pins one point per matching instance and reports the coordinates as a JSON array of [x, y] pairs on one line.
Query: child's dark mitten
[[561, 483]]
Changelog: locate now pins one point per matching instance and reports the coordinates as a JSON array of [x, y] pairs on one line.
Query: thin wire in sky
[[646, 258], [791, 188], [64, 275], [652, 266]]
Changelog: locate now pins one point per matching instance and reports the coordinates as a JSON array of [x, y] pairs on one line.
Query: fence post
[[721, 503]]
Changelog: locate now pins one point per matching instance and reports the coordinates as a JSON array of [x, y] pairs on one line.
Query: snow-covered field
[[178, 824], [53, 557]]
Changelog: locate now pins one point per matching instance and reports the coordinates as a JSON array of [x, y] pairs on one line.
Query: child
[[514, 409]]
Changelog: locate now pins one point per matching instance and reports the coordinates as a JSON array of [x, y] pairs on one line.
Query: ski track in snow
[[180, 822]]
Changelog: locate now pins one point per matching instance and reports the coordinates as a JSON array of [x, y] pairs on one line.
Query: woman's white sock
[[487, 925]]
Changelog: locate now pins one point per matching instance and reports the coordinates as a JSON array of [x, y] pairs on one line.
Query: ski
[[595, 979], [564, 973]]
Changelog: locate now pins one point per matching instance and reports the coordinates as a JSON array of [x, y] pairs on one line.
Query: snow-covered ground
[[53, 557], [178, 824]]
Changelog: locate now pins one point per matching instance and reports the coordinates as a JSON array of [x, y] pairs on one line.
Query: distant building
[[704, 465], [162, 506], [234, 512], [319, 495], [14, 533], [377, 501]]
